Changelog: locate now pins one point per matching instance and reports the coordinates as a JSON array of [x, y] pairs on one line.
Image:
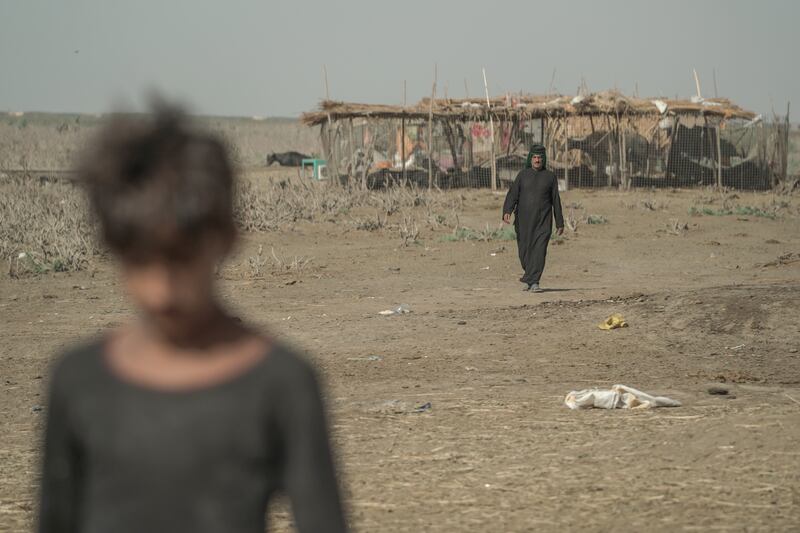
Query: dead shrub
[[46, 228]]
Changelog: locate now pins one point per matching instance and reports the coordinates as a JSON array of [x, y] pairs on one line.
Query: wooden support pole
[[330, 156], [714, 74], [610, 170], [352, 144], [620, 149], [673, 137], [430, 132], [367, 154], [541, 133], [697, 83], [325, 76], [787, 126], [326, 142], [566, 155], [491, 131], [403, 136], [610, 137], [623, 158], [719, 157]]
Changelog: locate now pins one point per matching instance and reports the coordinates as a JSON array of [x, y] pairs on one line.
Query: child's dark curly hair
[[157, 186]]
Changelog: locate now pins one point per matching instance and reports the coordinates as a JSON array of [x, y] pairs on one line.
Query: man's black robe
[[534, 200]]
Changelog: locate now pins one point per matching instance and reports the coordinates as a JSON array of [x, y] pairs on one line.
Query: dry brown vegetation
[[46, 226], [51, 141]]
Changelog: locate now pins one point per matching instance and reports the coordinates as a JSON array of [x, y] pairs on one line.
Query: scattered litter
[[424, 407], [398, 407], [755, 121], [369, 358], [402, 309], [613, 322], [80, 287], [784, 259], [37, 408], [739, 347], [292, 282], [470, 368], [618, 397], [22, 255], [394, 407], [660, 105], [485, 268], [493, 254], [716, 390]]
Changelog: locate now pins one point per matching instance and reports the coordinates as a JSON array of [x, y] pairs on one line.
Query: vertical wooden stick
[[491, 131], [331, 157], [787, 127], [566, 153], [430, 128], [714, 74], [623, 157], [673, 139], [719, 157], [403, 136], [326, 144], [610, 158], [352, 144], [697, 83]]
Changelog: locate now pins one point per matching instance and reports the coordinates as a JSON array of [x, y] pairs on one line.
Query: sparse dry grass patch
[[279, 204], [649, 204], [45, 228]]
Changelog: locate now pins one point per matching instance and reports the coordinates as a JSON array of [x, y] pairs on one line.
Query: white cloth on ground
[[618, 397]]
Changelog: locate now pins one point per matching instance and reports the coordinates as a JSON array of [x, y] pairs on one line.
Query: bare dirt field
[[451, 417]]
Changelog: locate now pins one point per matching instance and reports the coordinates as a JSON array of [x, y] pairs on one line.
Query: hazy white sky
[[247, 57]]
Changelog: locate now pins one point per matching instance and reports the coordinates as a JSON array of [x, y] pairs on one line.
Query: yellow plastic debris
[[613, 322]]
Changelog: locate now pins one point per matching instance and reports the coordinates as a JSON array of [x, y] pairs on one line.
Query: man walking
[[534, 200]]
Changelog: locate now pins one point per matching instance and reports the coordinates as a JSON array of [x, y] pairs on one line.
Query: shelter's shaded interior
[[593, 140]]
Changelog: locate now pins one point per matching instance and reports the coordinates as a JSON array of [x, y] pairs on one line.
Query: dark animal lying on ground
[[603, 149], [700, 142], [287, 159]]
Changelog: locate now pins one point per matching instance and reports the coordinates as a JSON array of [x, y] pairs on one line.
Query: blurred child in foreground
[[185, 420]]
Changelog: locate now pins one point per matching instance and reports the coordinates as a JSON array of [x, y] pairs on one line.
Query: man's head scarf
[[536, 149]]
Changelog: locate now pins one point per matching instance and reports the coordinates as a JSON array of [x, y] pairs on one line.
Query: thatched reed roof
[[530, 106]]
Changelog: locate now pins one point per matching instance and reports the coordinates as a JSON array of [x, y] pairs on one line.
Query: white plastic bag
[[618, 397]]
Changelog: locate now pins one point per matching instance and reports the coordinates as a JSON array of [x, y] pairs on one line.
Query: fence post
[[785, 162], [352, 144], [566, 155], [430, 130], [719, 157], [491, 132]]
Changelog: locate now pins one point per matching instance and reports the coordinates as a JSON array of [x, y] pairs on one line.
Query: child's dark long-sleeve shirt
[[120, 457]]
